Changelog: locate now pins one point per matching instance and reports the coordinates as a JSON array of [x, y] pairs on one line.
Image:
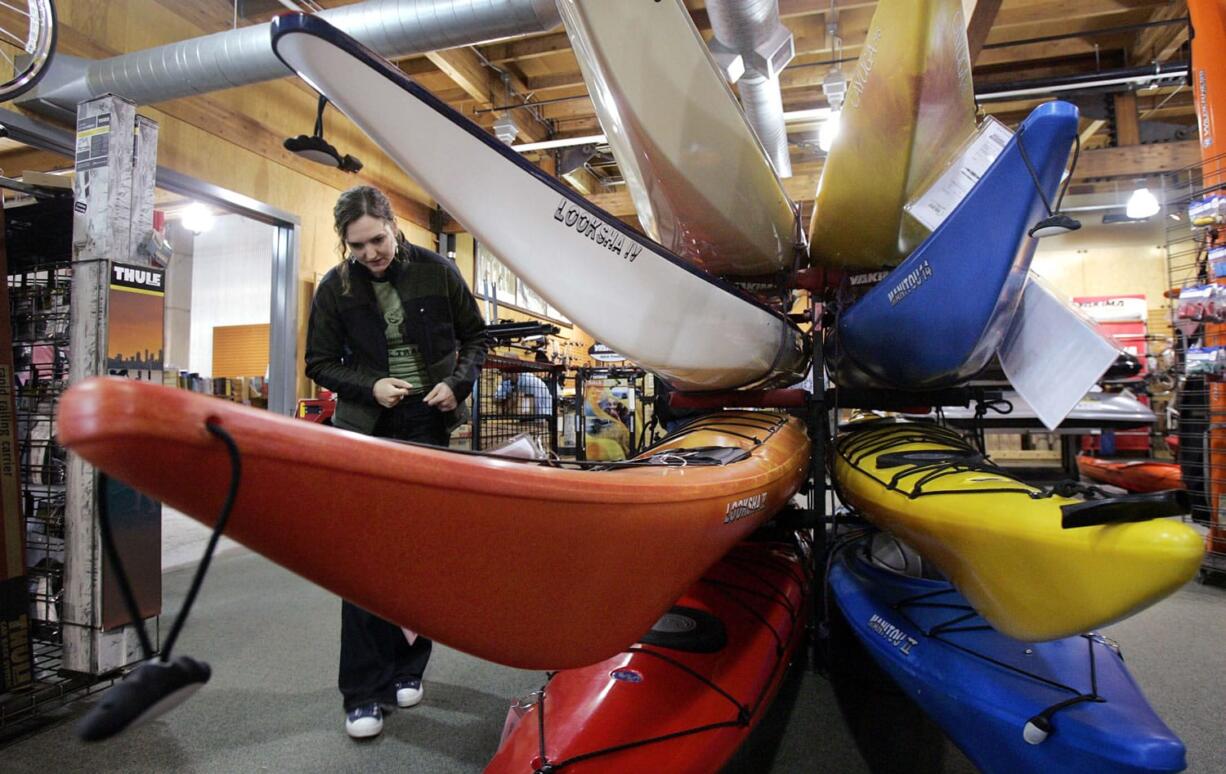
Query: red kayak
[[1132, 475], [685, 698]]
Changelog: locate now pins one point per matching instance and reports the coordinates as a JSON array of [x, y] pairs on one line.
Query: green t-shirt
[[403, 359]]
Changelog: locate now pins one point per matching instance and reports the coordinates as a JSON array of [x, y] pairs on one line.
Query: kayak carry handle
[[1125, 509], [1039, 727], [151, 690]]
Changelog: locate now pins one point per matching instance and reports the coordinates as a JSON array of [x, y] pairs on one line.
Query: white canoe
[[686, 325], [700, 180]]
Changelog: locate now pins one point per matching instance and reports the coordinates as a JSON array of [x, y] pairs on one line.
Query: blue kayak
[[937, 318], [1067, 705]]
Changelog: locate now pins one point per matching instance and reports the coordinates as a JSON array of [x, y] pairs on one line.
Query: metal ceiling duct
[[749, 36], [394, 28]]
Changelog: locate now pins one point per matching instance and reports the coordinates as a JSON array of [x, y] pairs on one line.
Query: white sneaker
[[364, 722], [408, 692]]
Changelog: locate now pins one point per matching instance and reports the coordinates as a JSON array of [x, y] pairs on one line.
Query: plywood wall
[[240, 350], [1101, 260]]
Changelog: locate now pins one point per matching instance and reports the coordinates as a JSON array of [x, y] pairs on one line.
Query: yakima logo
[[596, 230], [868, 278], [897, 637], [739, 509]]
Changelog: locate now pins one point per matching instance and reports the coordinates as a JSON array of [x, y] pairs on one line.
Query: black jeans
[[374, 652]]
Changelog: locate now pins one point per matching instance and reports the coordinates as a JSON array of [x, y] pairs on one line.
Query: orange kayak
[[529, 565], [1132, 475]]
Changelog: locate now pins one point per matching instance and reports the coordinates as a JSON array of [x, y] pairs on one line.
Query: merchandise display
[[772, 343], [649, 71], [621, 288], [908, 102], [949, 304], [1132, 475]]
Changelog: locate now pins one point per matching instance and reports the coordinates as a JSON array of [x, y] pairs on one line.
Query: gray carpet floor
[[272, 705]]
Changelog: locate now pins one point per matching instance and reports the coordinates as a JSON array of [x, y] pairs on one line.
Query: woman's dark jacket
[[346, 348]]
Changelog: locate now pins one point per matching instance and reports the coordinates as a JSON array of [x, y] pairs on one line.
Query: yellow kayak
[[1003, 543], [910, 103]]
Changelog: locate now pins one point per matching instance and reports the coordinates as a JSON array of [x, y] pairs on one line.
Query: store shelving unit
[[512, 397], [1199, 372], [39, 287]]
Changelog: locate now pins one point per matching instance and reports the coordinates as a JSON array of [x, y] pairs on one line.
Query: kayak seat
[[687, 629]]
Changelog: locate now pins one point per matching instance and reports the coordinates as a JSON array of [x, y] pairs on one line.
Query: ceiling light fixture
[[197, 218], [316, 148], [505, 128], [1142, 204]]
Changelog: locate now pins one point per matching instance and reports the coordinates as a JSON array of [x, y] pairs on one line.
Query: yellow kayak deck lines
[[1002, 542]]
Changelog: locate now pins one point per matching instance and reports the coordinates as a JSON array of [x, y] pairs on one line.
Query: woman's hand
[[388, 391], [441, 397]]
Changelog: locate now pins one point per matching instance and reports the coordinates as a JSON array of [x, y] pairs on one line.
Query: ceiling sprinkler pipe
[[1132, 76]]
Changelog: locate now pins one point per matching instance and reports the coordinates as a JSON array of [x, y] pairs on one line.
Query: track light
[[316, 148]]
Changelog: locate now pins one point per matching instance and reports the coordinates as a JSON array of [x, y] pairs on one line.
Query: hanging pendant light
[[1142, 204]]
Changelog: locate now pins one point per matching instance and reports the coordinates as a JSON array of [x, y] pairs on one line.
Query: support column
[[116, 162]]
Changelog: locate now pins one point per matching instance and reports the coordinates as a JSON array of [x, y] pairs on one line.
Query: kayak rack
[[813, 405]]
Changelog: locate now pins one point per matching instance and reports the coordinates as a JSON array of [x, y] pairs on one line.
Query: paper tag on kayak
[[1052, 353], [410, 636]]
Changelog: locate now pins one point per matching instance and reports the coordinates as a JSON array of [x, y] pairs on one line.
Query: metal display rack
[[512, 397], [39, 286], [1197, 279]]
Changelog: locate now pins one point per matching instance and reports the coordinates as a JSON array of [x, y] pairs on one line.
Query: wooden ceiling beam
[[1016, 14], [1127, 120], [14, 162], [980, 16], [466, 69], [1053, 50], [1137, 160], [1158, 44]]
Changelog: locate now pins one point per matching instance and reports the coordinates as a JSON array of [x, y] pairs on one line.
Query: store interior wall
[[1110, 259], [178, 302], [231, 283], [572, 338]]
